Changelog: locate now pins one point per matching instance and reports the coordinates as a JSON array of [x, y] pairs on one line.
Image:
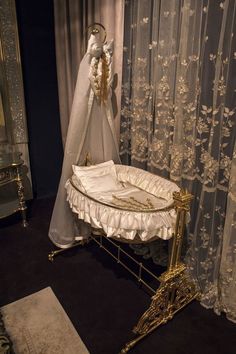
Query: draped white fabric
[[178, 120], [71, 21], [91, 130]]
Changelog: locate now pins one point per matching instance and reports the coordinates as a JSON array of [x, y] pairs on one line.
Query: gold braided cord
[[133, 203], [104, 78], [101, 78]]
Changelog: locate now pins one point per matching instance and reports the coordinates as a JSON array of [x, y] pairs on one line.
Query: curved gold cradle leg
[[131, 344], [175, 292], [55, 253]]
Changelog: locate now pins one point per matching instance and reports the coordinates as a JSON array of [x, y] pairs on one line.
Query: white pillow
[[103, 168], [92, 167], [102, 183]]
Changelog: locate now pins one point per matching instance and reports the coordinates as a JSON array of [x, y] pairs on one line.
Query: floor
[[102, 300]]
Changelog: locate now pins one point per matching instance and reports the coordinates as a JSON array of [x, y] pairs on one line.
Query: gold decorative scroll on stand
[[176, 289]]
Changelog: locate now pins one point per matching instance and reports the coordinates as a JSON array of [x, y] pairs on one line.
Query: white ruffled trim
[[128, 224], [153, 184]]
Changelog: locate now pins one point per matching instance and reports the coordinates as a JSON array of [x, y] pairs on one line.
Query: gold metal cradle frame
[[176, 288]]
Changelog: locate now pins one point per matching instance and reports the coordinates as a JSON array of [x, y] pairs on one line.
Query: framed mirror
[[3, 130], [5, 113], [13, 125]]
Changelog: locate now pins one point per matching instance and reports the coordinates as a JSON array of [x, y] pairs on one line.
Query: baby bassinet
[[123, 214], [137, 208]]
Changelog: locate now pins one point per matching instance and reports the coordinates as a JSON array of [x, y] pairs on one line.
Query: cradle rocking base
[[176, 290], [55, 253]]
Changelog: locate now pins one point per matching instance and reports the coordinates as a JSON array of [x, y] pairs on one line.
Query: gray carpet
[[37, 324]]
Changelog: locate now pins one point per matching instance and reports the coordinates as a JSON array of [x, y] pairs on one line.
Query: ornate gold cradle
[[176, 288]]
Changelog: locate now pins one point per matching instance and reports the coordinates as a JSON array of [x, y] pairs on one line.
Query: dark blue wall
[[37, 46]]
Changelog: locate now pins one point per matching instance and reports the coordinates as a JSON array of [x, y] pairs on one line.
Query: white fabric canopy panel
[[91, 129]]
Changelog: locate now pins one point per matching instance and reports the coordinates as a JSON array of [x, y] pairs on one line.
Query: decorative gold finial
[[96, 28], [95, 31]]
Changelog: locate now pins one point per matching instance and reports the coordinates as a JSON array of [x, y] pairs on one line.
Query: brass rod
[[133, 259], [125, 266], [181, 236], [174, 243], [140, 271], [118, 255]]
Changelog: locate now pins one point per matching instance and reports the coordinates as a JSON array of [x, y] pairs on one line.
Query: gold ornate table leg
[[176, 288], [21, 197]]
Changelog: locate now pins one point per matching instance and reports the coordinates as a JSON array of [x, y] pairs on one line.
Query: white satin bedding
[[99, 185]]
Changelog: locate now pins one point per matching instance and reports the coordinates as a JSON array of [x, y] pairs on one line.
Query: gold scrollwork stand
[[176, 288]]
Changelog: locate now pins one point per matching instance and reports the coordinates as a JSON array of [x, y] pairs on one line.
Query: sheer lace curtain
[[178, 115], [227, 279], [71, 21]]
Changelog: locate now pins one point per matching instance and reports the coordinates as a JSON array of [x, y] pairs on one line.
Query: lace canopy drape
[[178, 120]]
